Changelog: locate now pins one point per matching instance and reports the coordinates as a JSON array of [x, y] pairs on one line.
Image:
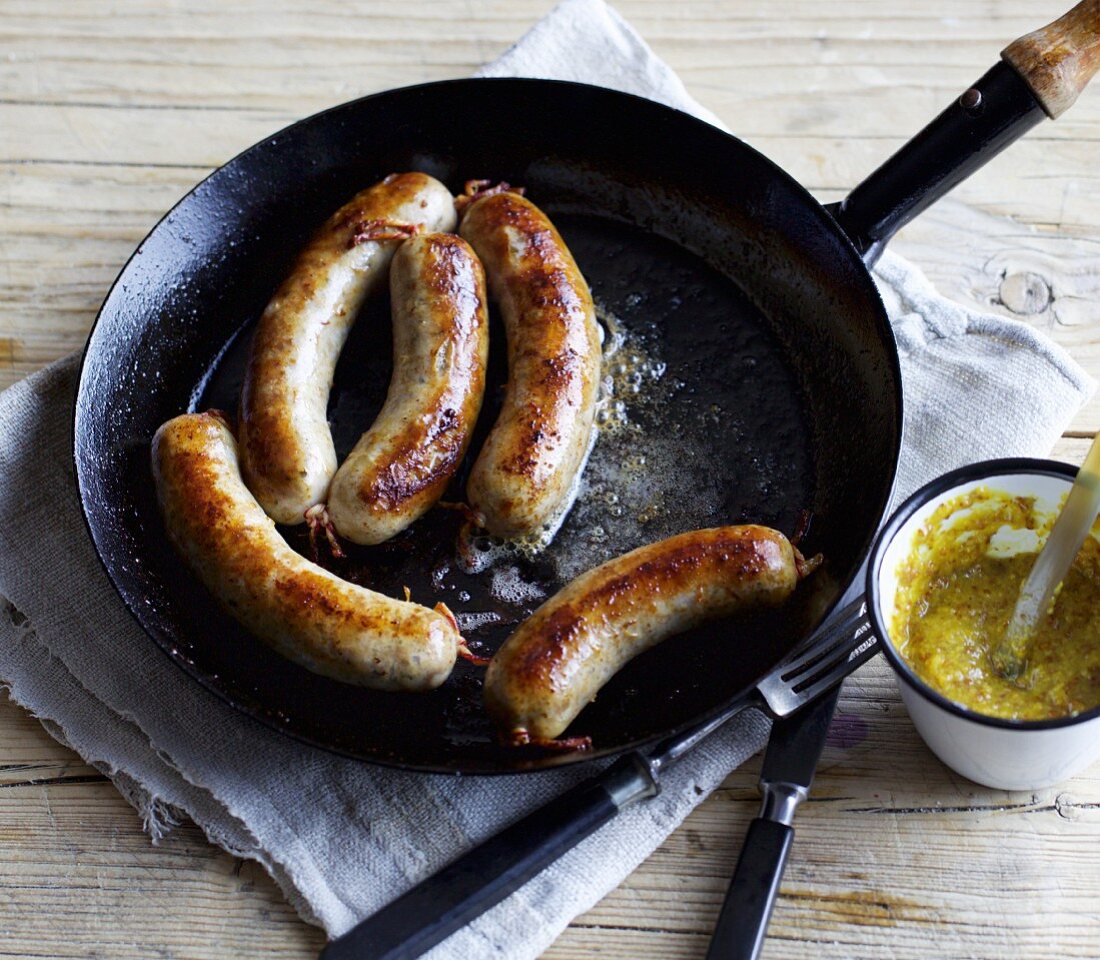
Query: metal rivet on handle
[[971, 101]]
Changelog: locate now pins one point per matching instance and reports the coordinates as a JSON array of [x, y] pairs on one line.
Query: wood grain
[[1057, 61], [110, 113]]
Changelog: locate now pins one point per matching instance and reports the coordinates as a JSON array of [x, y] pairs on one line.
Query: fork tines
[[837, 648]]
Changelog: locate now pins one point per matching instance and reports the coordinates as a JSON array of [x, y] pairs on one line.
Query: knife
[[785, 778]]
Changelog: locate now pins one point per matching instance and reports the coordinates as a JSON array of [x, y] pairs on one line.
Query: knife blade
[[785, 778]]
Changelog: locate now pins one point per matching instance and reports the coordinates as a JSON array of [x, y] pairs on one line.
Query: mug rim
[[930, 491]]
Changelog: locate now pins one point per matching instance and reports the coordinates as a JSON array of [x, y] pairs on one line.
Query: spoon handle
[[1053, 563]]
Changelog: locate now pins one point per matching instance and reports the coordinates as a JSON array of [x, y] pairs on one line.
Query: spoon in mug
[[1051, 566]]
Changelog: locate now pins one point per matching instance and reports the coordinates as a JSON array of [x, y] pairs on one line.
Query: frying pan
[[743, 312]]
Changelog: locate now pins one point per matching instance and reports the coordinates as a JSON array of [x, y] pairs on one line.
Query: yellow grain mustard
[[956, 592]]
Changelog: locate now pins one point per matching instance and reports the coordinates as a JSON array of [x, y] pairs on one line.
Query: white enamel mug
[[1007, 754]]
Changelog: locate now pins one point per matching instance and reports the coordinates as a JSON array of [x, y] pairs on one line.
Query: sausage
[[287, 455], [305, 612], [525, 476], [548, 670], [403, 463]]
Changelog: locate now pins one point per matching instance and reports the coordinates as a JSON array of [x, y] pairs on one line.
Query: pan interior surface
[[749, 378]]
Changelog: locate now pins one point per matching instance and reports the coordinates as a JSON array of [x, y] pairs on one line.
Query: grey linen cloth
[[342, 838]]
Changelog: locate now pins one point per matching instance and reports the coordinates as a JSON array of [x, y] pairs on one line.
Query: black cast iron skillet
[[769, 383]]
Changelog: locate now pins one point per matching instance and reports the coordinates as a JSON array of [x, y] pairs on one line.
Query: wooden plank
[[110, 114], [1047, 280], [65, 232], [196, 892], [68, 229], [79, 877], [891, 841]]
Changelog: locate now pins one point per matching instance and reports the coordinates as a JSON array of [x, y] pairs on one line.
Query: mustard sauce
[[956, 593]]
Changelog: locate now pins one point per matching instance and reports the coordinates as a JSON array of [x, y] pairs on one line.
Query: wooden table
[[110, 112]]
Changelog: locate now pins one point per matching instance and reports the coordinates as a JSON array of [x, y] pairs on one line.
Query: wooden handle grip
[[1058, 60]]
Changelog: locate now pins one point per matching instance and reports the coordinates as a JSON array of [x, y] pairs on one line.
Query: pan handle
[[1057, 61], [1040, 74], [459, 893]]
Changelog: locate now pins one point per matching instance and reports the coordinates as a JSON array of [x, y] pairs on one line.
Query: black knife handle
[[434, 909], [743, 922]]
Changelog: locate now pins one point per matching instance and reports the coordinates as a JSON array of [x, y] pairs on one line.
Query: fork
[[478, 880]]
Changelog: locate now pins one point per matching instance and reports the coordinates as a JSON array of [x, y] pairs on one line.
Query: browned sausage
[[287, 454], [305, 612], [556, 661], [401, 466], [525, 476]]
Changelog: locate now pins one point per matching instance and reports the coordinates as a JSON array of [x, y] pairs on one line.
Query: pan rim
[[744, 695]]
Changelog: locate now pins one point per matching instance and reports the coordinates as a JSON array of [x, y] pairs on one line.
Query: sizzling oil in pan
[[702, 423]]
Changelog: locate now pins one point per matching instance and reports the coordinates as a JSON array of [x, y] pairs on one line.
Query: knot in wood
[[1067, 806], [1025, 293]]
